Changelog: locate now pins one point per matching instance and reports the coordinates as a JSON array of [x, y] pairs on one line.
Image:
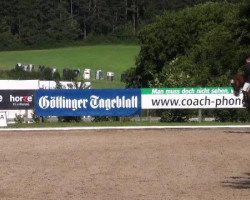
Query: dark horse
[[237, 83]]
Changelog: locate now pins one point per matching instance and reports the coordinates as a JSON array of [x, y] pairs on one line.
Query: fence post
[[200, 115], [26, 116], [148, 115]]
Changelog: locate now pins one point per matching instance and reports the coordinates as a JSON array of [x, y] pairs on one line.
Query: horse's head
[[237, 83]]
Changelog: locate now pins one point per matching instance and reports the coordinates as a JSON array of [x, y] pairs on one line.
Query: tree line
[[35, 22], [204, 45]]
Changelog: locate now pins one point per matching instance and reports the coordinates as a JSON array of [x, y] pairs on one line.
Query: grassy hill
[[115, 58]]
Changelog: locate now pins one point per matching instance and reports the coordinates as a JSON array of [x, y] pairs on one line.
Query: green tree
[[242, 26], [6, 38], [194, 46], [49, 22]]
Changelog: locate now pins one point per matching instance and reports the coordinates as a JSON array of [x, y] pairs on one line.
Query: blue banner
[[88, 102]]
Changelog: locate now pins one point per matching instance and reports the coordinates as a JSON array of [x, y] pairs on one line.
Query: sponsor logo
[[21, 99], [95, 102]]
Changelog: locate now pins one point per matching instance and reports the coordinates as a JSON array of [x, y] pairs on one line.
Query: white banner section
[[189, 98], [3, 119], [19, 84]]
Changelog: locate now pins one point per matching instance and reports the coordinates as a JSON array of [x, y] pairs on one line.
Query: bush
[[101, 119], [69, 119], [232, 115], [175, 116], [35, 118], [19, 118], [105, 119]]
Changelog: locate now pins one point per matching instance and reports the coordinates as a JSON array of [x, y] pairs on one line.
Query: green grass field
[[114, 58]]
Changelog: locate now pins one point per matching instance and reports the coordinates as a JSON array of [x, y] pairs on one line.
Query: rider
[[246, 85]]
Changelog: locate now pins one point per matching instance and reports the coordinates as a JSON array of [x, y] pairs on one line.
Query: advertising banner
[[184, 98], [16, 99], [92, 102]]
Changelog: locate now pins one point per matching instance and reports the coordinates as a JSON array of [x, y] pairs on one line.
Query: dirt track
[[152, 165]]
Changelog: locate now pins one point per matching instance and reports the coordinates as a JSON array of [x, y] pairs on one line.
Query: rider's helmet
[[248, 60]]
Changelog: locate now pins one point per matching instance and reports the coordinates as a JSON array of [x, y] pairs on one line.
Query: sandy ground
[[118, 164]]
